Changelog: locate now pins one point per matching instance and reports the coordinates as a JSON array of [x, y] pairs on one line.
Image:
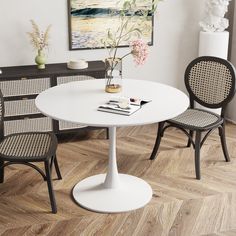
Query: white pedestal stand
[[213, 44], [112, 192]]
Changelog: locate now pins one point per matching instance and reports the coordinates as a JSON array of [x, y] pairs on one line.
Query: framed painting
[[90, 21]]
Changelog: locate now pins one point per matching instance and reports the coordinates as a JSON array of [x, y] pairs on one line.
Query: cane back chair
[[210, 81], [25, 148]]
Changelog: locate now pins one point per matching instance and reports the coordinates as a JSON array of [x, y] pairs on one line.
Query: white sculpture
[[214, 20]]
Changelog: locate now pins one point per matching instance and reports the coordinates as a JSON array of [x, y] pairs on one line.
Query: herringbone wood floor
[[181, 205]]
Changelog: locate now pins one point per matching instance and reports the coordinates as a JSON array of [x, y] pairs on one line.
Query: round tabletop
[[77, 102]]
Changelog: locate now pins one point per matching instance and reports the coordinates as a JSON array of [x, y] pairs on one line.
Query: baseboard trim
[[231, 121]]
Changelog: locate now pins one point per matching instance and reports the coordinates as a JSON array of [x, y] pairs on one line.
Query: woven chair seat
[[28, 146], [196, 119]]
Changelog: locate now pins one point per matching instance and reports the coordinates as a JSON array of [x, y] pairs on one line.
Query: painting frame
[[71, 31]]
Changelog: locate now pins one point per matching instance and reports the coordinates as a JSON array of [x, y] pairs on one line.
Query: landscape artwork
[[89, 22]]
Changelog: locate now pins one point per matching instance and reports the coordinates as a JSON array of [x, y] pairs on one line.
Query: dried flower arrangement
[[39, 39]]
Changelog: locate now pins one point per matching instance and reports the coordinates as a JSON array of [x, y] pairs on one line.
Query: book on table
[[114, 106]]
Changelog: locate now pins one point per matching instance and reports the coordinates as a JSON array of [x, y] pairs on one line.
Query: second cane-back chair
[[210, 81], [28, 148]]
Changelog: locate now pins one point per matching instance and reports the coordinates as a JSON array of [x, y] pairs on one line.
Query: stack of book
[[114, 106]]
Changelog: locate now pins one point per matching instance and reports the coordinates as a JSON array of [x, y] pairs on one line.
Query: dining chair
[[28, 148], [210, 81]]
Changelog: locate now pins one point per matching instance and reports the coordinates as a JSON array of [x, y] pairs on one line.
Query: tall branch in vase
[[130, 30]]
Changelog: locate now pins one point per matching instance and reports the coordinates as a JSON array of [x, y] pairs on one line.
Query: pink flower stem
[[126, 55]]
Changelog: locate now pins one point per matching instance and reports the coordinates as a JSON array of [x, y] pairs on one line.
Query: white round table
[[77, 102]]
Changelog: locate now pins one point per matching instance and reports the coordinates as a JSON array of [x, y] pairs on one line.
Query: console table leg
[[112, 178]]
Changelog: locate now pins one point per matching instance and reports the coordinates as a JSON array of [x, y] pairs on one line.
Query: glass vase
[[113, 75]]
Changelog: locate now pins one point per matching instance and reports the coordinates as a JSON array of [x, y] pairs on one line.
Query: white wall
[[175, 37], [231, 110]]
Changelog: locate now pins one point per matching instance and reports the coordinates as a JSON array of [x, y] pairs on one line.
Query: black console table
[[21, 84]]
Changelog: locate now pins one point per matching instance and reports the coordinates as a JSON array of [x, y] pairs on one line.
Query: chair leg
[[107, 133], [51, 163], [189, 141], [1, 171], [158, 140], [50, 187], [197, 154], [57, 168], [223, 142]]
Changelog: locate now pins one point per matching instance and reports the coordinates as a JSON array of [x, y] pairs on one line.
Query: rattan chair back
[[1, 116], [210, 81]]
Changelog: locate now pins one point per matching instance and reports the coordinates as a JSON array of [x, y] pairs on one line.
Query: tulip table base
[[133, 193], [112, 192]]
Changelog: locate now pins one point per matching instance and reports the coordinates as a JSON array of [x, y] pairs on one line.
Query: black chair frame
[[49, 159], [189, 131]]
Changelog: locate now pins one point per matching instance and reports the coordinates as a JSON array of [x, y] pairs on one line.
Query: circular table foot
[[133, 193]]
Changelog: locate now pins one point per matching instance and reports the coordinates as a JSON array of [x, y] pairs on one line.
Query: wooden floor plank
[[181, 205]]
